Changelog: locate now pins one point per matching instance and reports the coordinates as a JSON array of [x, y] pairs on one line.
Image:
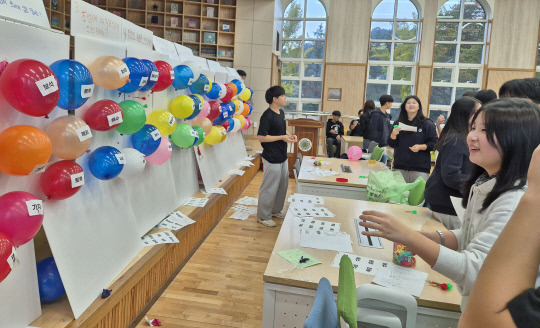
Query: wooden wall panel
[[496, 77], [351, 79], [427, 39], [423, 86]]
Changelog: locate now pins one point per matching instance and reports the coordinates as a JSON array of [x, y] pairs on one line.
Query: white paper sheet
[[460, 210], [245, 163], [405, 279], [317, 212], [165, 237], [240, 215], [406, 127], [197, 202], [312, 224], [237, 172], [320, 172], [248, 201], [246, 209], [363, 264], [306, 199], [175, 221], [214, 191], [327, 240]]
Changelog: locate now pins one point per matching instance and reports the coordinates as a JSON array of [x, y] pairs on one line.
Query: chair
[[371, 146], [299, 157], [333, 146], [296, 172], [346, 299], [373, 298], [416, 195], [384, 159], [323, 313], [377, 153]]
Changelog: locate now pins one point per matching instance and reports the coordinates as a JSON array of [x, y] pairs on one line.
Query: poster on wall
[[28, 11]]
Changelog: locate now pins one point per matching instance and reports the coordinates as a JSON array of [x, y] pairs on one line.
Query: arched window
[[302, 54], [459, 52], [393, 51]]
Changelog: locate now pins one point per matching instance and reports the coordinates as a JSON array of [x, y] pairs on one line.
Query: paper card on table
[[245, 163], [237, 172], [197, 202], [327, 240], [405, 127], [460, 210], [297, 257], [405, 279], [165, 237], [240, 215], [175, 221], [362, 264], [306, 199], [248, 201], [214, 191], [241, 208], [318, 212], [312, 224], [249, 158]]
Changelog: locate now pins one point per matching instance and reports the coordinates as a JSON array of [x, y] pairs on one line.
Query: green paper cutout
[[294, 255]]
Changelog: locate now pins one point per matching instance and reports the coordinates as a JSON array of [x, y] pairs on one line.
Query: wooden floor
[[221, 285]]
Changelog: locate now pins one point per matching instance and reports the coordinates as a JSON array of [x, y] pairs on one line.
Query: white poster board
[[31, 12], [91, 21], [165, 47]]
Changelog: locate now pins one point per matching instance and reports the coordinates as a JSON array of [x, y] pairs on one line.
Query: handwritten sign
[[47, 85], [134, 34], [28, 11], [91, 21]]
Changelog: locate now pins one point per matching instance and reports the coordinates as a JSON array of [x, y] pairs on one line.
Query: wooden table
[[289, 291], [352, 140], [355, 188]]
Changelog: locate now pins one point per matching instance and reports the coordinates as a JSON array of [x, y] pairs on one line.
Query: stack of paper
[[175, 221], [165, 237], [245, 164], [318, 212], [247, 201], [327, 240]]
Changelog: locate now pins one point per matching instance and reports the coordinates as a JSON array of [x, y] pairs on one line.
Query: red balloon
[[58, 181], [233, 87], [228, 95], [226, 125], [165, 76], [7, 256], [20, 217], [215, 110], [26, 85], [101, 115]]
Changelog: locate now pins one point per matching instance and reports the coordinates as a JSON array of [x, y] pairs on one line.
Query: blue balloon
[[197, 107], [105, 162], [146, 140], [50, 284], [239, 85], [250, 109], [183, 77], [201, 86], [137, 72], [214, 91], [232, 108], [231, 124], [74, 81], [152, 75], [225, 110]]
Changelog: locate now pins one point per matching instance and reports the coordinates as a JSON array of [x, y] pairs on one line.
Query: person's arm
[[512, 264], [341, 129], [393, 138], [375, 128], [431, 135], [269, 138], [328, 128], [440, 119]]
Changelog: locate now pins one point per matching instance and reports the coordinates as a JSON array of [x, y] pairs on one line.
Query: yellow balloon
[[237, 103], [109, 72], [245, 95], [242, 120], [214, 137], [182, 106], [163, 120], [200, 97], [223, 132]]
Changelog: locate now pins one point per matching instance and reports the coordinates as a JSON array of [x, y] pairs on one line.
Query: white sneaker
[[279, 215], [267, 223]]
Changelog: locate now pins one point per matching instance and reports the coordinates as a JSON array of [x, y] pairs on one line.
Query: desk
[[289, 292], [353, 141], [355, 188]]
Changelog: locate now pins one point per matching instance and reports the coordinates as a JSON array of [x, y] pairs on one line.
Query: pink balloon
[[162, 154], [354, 153], [205, 110], [247, 125], [19, 219]]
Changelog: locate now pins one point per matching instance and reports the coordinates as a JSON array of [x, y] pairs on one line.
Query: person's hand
[[333, 131], [440, 119], [395, 132], [386, 226], [416, 148], [290, 138], [533, 177], [354, 124], [338, 137], [295, 138]]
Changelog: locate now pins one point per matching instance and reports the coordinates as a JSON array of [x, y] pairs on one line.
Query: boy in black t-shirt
[[273, 136], [334, 131]]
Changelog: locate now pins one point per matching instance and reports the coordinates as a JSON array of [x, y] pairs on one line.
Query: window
[[393, 51], [459, 52], [302, 55]]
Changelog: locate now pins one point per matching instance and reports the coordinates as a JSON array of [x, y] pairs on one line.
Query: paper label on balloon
[[155, 134], [120, 158], [172, 75], [144, 80], [206, 87], [170, 146], [87, 90], [115, 118], [77, 180], [123, 70], [12, 258], [191, 80], [39, 168], [35, 207], [225, 114], [84, 133], [154, 76], [194, 133], [203, 135], [200, 106], [47, 85], [171, 121]]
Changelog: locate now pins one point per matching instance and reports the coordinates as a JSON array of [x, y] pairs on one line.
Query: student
[[521, 88], [453, 166], [503, 295], [379, 125], [334, 131], [412, 149], [360, 127], [242, 74], [273, 136], [503, 136], [485, 96]]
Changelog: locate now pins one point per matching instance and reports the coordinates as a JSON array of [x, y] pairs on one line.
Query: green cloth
[[294, 256], [416, 195], [347, 301]]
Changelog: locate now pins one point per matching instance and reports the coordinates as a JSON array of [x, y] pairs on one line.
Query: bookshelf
[[207, 27]]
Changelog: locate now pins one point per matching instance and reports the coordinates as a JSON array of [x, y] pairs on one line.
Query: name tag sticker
[[120, 158], [77, 180], [87, 90], [47, 85], [115, 118], [123, 71], [154, 76], [84, 133], [144, 80], [35, 207]]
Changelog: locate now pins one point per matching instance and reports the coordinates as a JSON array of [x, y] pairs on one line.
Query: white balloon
[[195, 68], [240, 108], [222, 90], [135, 163], [242, 88], [237, 125]]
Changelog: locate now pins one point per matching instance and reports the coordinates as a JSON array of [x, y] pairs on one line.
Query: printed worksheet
[[318, 212], [312, 224], [327, 240], [197, 202]]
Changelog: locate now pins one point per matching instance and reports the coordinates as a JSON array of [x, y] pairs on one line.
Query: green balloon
[[134, 117], [184, 136], [200, 131]]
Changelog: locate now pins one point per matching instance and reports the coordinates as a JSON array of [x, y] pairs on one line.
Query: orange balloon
[[233, 87], [22, 147], [203, 122], [70, 137], [109, 72], [245, 113]]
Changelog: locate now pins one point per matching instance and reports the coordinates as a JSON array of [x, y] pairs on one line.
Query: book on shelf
[[174, 21], [135, 4], [190, 37], [54, 21], [154, 20], [210, 12], [94, 2], [168, 34], [174, 8], [210, 37], [117, 13], [54, 4], [210, 1], [192, 23], [226, 27], [228, 2]]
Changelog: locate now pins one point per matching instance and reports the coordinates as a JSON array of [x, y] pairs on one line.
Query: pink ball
[[162, 154], [20, 220], [205, 110], [354, 153], [247, 125]]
